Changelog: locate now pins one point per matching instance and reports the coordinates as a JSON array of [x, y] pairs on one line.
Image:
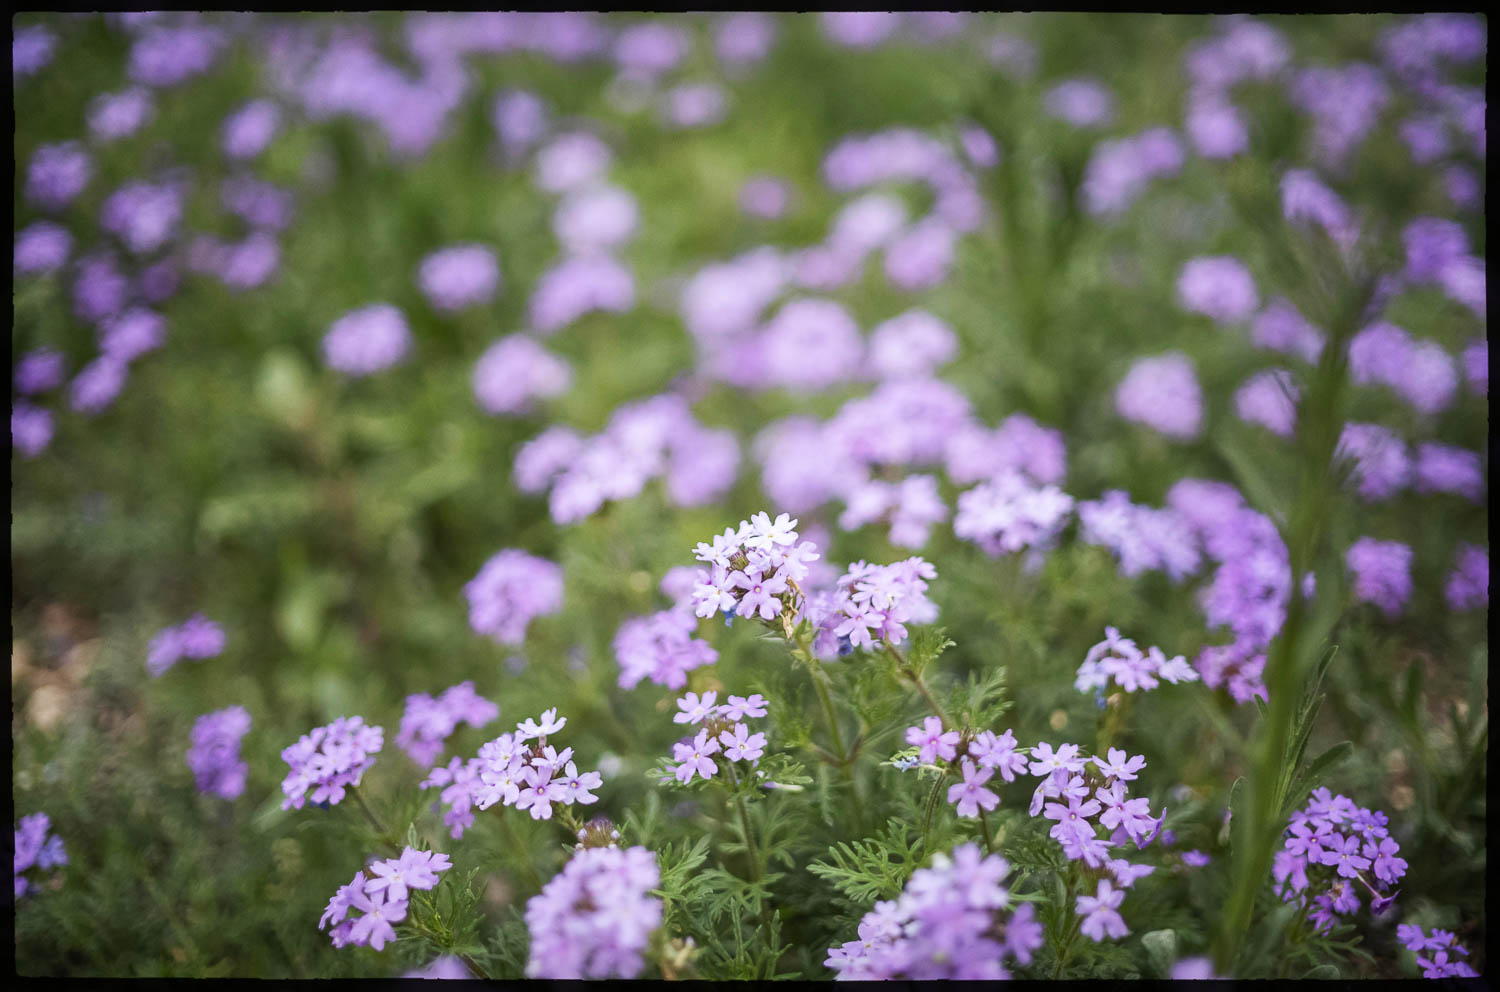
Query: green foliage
[[869, 870]]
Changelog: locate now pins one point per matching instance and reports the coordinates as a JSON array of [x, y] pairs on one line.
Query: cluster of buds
[[598, 832]]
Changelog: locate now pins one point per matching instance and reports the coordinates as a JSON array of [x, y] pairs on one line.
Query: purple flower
[[1119, 170], [1216, 128], [30, 429], [1080, 102], [118, 115], [514, 372], [327, 760], [413, 870], [570, 161], [1441, 468], [811, 344], [97, 384], [131, 334], [143, 215], [1269, 399], [35, 850], [258, 203], [1194, 969], [1469, 583], [1218, 286], [1381, 464], [741, 745], [1099, 912], [57, 174], [764, 196], [367, 340], [459, 780], [510, 590], [595, 918], [30, 50], [661, 648], [460, 276], [1304, 199], [744, 37], [39, 371], [859, 29], [165, 56], [428, 722], [921, 256], [693, 105], [1345, 103], [520, 119], [1143, 538], [694, 756], [1280, 327], [595, 219], [1162, 393], [1382, 573], [215, 755], [42, 247], [650, 48], [970, 794], [577, 286], [1477, 366], [248, 130]]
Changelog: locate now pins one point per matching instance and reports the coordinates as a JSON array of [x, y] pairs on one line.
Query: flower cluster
[[595, 918], [514, 372], [1469, 582], [1081, 788], [1162, 393], [974, 756], [1121, 169], [946, 924], [34, 849], [1218, 286], [1381, 465], [1116, 659], [653, 437], [1382, 573], [875, 602], [1009, 513], [382, 897], [428, 722], [367, 340], [460, 276], [1330, 845], [722, 730], [660, 647], [510, 590], [197, 638], [215, 755], [1437, 948], [512, 771], [1142, 537], [912, 506], [1420, 372], [329, 759], [753, 570]]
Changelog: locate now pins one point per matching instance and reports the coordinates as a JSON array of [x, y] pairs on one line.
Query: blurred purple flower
[[1219, 286], [460, 276], [143, 215], [39, 371], [1269, 399], [515, 371], [118, 115], [57, 174], [164, 56], [31, 50], [764, 196], [131, 334], [510, 590], [214, 757], [1082, 102], [367, 340], [1381, 464], [1382, 573], [249, 129], [30, 428], [859, 29], [744, 37], [520, 120], [97, 384], [911, 345], [1281, 327], [595, 219], [1162, 393], [571, 160], [42, 247], [1469, 582], [694, 105], [1442, 468], [650, 48], [577, 286]]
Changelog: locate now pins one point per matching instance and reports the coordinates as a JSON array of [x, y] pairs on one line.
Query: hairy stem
[[385, 835], [845, 760], [751, 851], [915, 677]]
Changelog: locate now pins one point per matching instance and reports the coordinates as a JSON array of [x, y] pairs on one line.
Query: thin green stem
[[916, 679], [522, 849], [751, 850], [385, 835], [989, 840], [845, 761]]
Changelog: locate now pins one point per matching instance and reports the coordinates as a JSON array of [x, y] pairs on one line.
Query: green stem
[[916, 679], [989, 840], [385, 835], [820, 684], [523, 850], [751, 851]]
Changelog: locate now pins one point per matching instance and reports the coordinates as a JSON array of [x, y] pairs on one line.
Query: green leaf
[[1324, 973], [1161, 949], [1307, 779]]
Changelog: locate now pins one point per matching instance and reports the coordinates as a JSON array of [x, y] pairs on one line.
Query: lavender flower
[[30, 429], [1381, 464], [131, 334], [744, 37], [570, 161], [42, 247], [1099, 912], [595, 219], [811, 344], [1218, 286], [1469, 582], [259, 204], [196, 638], [946, 924], [1330, 845], [328, 760], [113, 116], [520, 120], [31, 50], [1162, 393], [921, 256], [858, 29], [374, 929], [577, 286], [510, 590], [367, 340], [1216, 128], [35, 851], [249, 129], [514, 372], [57, 174], [1009, 514], [650, 48], [693, 105], [1119, 170], [660, 647], [413, 870], [460, 276], [1141, 537], [1269, 399], [595, 918], [461, 786], [1116, 659], [1441, 468], [97, 384], [428, 722], [215, 755], [1080, 102], [39, 371], [143, 215], [1345, 103], [165, 56], [764, 196], [1382, 573], [1439, 964], [1477, 366], [1280, 327]]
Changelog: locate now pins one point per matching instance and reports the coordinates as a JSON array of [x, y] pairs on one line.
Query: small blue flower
[[727, 615], [846, 647], [905, 763]]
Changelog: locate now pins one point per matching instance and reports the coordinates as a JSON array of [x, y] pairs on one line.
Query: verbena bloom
[[131, 334], [196, 638], [35, 851], [31, 50], [214, 757], [1437, 954], [811, 344], [427, 722], [1469, 583], [859, 29], [744, 37], [30, 429], [571, 160], [167, 55], [97, 384], [1281, 327], [597, 218], [57, 174], [1216, 128], [1382, 573], [143, 215], [920, 257], [934, 742], [1442, 468], [374, 929], [248, 130], [1119, 170], [1345, 103], [1333, 850], [328, 760], [1305, 200], [577, 286], [510, 590], [1270, 399], [660, 647], [764, 196], [1008, 514], [1218, 286], [694, 105], [42, 247], [118, 115], [1100, 914], [948, 923], [39, 371], [520, 119], [460, 276], [1162, 393], [1422, 372], [970, 794], [1381, 464], [259, 204], [1142, 538], [460, 781], [1477, 366], [367, 340], [414, 869], [595, 918], [515, 372], [649, 48], [1081, 102]]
